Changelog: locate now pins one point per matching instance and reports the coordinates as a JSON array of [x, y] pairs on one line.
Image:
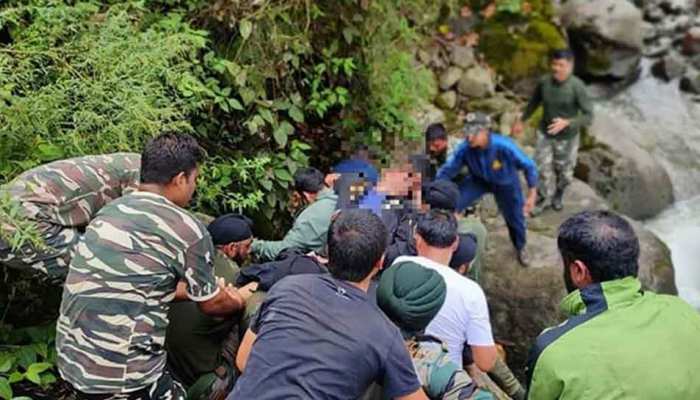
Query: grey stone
[[625, 174], [447, 100], [462, 56], [610, 34], [660, 48], [690, 82], [654, 14], [450, 77], [649, 32], [476, 82], [427, 114], [670, 67]]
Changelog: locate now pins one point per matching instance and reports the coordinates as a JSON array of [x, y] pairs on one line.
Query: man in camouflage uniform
[[411, 295], [61, 198], [201, 348], [138, 254], [567, 109]]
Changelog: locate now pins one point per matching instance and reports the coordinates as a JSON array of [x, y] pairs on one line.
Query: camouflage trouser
[[165, 388], [52, 263], [555, 160]]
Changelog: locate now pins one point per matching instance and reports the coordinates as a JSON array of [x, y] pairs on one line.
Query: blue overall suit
[[494, 170]]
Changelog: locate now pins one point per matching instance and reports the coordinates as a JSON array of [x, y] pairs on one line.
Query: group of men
[[373, 293]]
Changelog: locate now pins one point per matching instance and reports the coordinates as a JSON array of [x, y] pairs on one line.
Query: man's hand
[[517, 128], [558, 125], [247, 290], [530, 202]]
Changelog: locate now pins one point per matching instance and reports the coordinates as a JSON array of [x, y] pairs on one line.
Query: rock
[[654, 14], [450, 77], [447, 100], [682, 23], [649, 32], [524, 301], [423, 57], [659, 49], [462, 56], [675, 6], [476, 82], [690, 82], [622, 171], [426, 115], [606, 36], [670, 67], [695, 61], [496, 104], [691, 41]]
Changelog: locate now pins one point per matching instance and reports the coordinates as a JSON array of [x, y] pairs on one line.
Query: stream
[[667, 124]]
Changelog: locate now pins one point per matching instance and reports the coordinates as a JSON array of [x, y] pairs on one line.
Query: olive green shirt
[[194, 340], [309, 232], [568, 99]]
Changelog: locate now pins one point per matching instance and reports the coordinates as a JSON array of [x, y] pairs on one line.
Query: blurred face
[[479, 140], [437, 146], [561, 69], [182, 187]]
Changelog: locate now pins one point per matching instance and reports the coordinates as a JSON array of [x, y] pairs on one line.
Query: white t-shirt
[[464, 318]]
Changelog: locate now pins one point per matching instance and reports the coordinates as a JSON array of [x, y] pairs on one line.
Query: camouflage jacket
[[441, 378], [114, 313], [70, 192]]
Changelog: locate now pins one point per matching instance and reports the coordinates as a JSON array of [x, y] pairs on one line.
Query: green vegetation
[[517, 40], [26, 356]]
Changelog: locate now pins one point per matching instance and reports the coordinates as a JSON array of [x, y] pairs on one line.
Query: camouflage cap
[[476, 121]]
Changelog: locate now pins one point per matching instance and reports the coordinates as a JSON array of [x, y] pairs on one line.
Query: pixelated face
[[479, 140], [561, 68], [437, 146]]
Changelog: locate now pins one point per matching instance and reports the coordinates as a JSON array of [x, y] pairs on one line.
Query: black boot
[[558, 200]]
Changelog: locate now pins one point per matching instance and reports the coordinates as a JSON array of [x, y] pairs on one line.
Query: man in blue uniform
[[494, 161]]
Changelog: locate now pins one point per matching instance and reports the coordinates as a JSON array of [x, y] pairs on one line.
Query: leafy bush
[[26, 356]]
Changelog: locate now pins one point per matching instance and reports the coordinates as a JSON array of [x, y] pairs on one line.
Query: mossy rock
[[519, 51]]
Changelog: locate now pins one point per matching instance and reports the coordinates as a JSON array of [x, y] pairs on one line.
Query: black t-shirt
[[321, 338]]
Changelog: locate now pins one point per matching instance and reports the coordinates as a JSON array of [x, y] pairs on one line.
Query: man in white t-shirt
[[464, 317]]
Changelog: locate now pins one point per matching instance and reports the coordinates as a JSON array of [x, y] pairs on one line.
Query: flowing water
[[667, 124]]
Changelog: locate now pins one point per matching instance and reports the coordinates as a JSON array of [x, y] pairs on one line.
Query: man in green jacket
[[567, 109], [201, 348], [620, 341], [311, 226]]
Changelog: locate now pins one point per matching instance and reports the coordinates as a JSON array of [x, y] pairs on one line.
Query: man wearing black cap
[[444, 195], [494, 162], [317, 203], [567, 108], [200, 348]]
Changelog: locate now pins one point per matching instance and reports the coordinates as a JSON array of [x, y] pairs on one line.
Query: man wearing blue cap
[[200, 347], [494, 162]]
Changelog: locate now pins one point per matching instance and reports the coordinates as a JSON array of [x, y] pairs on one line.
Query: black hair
[[562, 54], [438, 228], [441, 194], [435, 132], [605, 242], [167, 155], [356, 242], [308, 180]]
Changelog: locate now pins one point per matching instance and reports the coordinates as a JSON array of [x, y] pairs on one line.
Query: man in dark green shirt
[[567, 109], [318, 203], [200, 347]]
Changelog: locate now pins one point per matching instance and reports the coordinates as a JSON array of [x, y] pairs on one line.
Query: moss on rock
[[519, 51]]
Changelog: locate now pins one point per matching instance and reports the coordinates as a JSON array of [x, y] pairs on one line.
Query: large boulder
[[450, 77], [476, 82], [524, 301], [462, 56], [669, 67], [622, 171], [607, 36]]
